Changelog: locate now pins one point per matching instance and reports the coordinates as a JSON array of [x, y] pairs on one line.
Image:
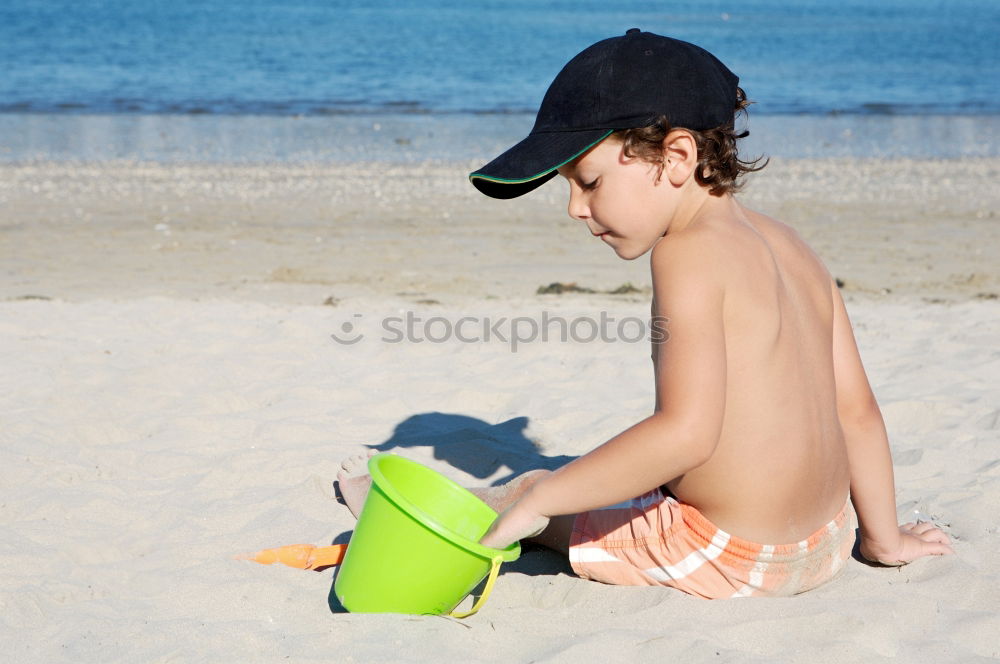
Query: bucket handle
[[494, 570]]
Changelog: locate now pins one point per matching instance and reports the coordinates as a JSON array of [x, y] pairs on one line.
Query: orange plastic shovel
[[300, 556]]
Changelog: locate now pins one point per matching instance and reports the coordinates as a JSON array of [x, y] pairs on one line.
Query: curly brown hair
[[719, 166]]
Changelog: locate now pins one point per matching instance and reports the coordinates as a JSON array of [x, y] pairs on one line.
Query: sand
[[172, 396], [301, 233]]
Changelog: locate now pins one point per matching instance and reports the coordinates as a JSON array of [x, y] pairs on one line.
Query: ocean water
[[330, 56], [72, 69]]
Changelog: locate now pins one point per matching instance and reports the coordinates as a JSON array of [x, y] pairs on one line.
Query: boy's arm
[[680, 435], [872, 488]]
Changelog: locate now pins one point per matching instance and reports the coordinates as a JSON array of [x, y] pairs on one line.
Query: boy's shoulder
[[685, 268], [726, 250], [697, 250], [725, 237]]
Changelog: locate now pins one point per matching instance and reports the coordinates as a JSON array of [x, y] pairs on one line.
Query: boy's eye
[[590, 185]]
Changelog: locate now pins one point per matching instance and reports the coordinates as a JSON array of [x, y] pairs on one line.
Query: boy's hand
[[915, 541], [514, 524]]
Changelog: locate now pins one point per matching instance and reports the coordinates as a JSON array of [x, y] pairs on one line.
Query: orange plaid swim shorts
[[657, 540]]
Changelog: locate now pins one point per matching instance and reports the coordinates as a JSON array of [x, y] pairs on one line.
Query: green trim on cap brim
[[476, 176]]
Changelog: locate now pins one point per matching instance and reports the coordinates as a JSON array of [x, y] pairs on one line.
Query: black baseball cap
[[617, 83]]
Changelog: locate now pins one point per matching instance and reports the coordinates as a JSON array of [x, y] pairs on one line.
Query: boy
[[764, 420]]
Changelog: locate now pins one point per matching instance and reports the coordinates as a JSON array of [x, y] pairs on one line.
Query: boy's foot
[[354, 481]]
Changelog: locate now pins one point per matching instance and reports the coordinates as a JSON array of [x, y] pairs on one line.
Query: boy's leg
[[354, 483]]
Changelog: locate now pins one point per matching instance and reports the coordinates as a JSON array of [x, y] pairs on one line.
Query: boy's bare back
[[779, 470]]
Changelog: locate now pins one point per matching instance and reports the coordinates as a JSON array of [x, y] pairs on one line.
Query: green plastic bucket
[[416, 548]]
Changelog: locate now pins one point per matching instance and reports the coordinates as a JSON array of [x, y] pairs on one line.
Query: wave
[[410, 107]]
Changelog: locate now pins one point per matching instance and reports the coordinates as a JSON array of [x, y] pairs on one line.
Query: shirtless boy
[[765, 432]]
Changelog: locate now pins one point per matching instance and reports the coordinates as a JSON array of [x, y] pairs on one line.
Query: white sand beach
[[171, 396]]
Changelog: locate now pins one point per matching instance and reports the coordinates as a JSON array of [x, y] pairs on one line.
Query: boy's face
[[623, 200]]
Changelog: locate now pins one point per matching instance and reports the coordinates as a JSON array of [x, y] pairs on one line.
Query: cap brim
[[533, 162]]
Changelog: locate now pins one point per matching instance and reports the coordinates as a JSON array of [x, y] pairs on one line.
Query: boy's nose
[[577, 208]]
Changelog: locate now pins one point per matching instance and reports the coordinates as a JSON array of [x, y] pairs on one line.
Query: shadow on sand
[[472, 445]]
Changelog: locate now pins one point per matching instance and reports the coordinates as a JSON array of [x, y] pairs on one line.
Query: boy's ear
[[680, 156]]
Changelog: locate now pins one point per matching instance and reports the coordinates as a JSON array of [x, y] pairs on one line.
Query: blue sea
[[133, 78]]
